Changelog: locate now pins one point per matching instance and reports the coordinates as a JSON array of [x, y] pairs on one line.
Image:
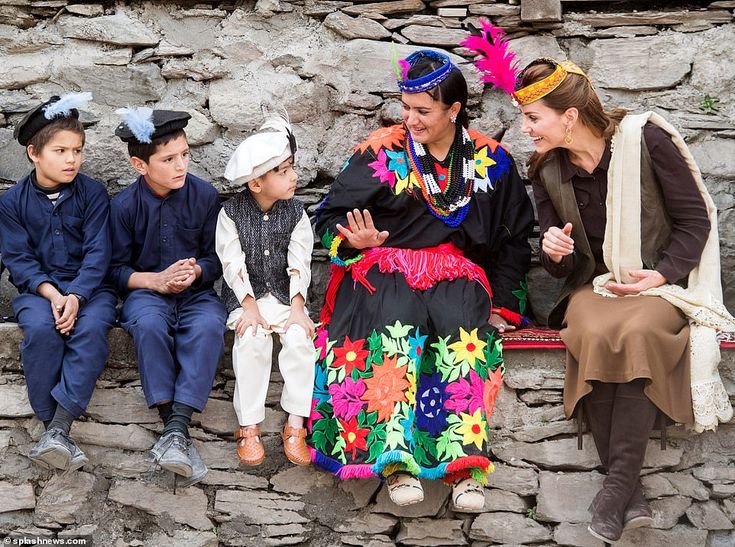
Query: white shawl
[[701, 302]]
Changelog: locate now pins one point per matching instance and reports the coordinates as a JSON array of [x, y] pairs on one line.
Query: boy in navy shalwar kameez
[[164, 265], [55, 240]]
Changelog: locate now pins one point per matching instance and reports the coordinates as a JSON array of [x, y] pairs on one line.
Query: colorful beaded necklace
[[451, 204]]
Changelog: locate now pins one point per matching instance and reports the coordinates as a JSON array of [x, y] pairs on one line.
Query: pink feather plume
[[497, 63], [405, 67]]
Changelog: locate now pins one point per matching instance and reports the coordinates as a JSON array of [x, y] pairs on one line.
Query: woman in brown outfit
[[627, 358]]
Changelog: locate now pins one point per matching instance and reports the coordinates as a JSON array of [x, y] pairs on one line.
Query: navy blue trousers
[[63, 369], [179, 340]]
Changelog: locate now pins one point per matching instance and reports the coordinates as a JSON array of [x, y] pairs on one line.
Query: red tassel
[[336, 275]]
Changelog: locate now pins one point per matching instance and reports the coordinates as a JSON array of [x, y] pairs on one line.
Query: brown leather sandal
[[296, 452], [249, 448]]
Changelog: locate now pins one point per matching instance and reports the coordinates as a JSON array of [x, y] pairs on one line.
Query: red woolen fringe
[[336, 275], [422, 268]]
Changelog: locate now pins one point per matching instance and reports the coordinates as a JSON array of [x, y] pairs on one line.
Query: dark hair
[[45, 134], [575, 91], [144, 151], [453, 89]]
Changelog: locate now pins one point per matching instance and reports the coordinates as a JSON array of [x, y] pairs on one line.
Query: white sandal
[[468, 495], [404, 489]]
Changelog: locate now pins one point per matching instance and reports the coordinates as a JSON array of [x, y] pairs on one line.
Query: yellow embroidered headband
[[540, 89]]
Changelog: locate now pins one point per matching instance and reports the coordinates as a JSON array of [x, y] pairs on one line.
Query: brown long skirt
[[617, 340]]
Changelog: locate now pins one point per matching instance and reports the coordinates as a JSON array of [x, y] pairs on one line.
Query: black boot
[[632, 421]]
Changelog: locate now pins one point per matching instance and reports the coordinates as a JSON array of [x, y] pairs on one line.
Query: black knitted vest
[[264, 238]]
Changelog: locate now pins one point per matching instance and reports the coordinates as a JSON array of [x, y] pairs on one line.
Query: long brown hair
[[575, 91]]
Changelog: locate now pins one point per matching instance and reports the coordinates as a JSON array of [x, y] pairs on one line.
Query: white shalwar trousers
[[251, 360]]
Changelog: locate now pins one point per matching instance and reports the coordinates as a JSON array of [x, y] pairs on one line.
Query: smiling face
[[275, 185], [546, 126], [428, 120], [166, 169], [58, 161]]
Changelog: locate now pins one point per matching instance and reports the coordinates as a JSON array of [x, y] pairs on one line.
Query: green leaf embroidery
[[397, 330]]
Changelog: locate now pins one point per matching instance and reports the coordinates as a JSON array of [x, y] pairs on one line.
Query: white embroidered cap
[[262, 151]]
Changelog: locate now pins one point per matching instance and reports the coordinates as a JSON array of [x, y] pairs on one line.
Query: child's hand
[[298, 317], [65, 310], [250, 317], [169, 280], [181, 283]]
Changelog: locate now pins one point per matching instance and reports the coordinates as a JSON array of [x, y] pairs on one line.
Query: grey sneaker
[[198, 468], [52, 450], [78, 458], [172, 453]]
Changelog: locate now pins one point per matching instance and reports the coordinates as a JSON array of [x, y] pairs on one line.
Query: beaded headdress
[[428, 81], [537, 90]]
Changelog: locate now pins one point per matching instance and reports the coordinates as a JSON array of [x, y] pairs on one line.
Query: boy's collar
[[147, 185], [58, 188]]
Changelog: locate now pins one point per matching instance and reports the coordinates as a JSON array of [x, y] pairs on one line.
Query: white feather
[[139, 120], [67, 102]]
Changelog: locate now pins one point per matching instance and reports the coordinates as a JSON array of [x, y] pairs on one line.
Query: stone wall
[[328, 63], [538, 494]]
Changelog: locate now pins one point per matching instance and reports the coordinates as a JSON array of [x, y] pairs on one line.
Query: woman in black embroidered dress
[[427, 227]]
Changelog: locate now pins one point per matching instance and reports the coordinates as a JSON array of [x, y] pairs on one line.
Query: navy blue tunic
[[178, 338], [67, 245]]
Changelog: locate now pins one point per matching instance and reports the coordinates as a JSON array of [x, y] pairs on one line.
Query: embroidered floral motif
[[386, 137], [468, 348], [482, 162], [350, 355], [399, 399], [391, 165], [355, 438], [473, 428], [381, 171], [346, 398], [398, 163], [386, 388]]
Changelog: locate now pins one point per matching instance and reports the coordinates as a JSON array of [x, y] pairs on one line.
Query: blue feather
[[139, 120], [63, 107]]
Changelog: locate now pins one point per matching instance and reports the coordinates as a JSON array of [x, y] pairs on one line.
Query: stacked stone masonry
[[328, 63]]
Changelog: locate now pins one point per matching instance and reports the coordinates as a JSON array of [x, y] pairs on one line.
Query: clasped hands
[[178, 277], [558, 243]]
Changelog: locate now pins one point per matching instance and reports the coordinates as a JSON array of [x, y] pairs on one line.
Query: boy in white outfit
[[264, 241]]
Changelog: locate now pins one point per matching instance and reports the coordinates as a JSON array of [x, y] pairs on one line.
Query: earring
[[568, 137], [453, 118]]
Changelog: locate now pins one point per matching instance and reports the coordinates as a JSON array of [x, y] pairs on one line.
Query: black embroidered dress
[[408, 367]]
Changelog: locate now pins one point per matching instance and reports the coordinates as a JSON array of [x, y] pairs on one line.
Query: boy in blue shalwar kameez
[[55, 241], [164, 266]]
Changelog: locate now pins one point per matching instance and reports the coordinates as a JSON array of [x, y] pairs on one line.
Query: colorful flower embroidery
[[482, 162], [468, 348], [473, 429], [481, 140], [381, 171], [490, 390], [431, 415], [386, 388], [320, 342], [406, 183], [466, 395], [355, 438], [442, 176], [350, 355], [386, 137], [417, 344], [346, 398], [396, 393], [398, 163]]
